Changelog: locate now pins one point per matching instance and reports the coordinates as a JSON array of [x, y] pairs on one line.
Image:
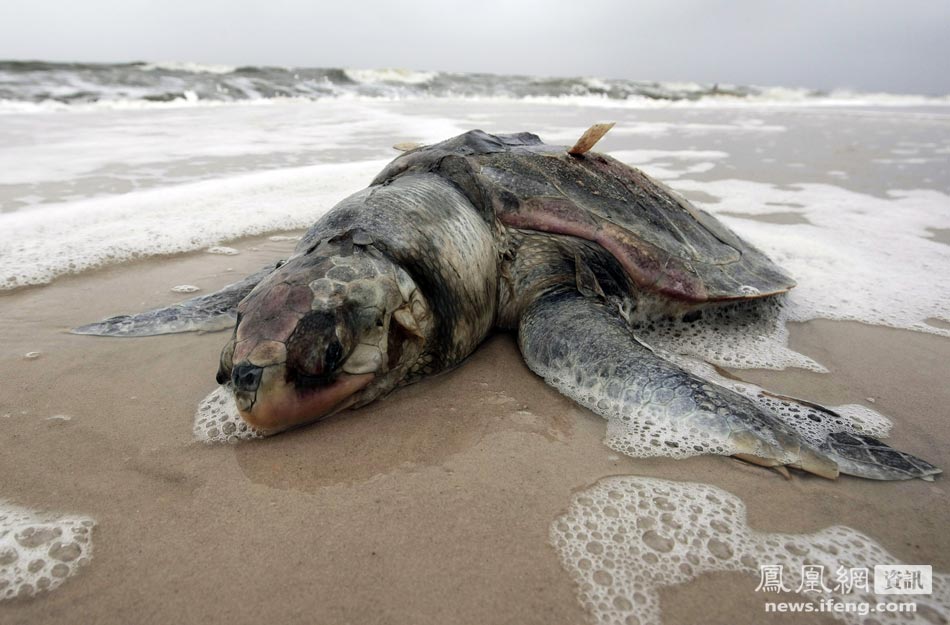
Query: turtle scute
[[665, 244]]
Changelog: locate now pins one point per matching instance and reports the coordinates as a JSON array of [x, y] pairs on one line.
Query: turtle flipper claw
[[791, 452]]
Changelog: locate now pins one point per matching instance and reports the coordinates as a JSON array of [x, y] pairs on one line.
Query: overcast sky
[[898, 46]]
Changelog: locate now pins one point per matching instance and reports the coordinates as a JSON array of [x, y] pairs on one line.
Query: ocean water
[[853, 199], [42, 84], [117, 174], [102, 165]]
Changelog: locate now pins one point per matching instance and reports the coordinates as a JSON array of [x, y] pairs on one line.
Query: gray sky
[[887, 45]]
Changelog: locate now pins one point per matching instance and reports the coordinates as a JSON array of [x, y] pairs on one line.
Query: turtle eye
[[318, 345]]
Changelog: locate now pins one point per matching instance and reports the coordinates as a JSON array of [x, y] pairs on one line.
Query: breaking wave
[[26, 85]]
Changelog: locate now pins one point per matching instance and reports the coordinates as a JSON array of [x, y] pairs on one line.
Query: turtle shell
[[663, 242]]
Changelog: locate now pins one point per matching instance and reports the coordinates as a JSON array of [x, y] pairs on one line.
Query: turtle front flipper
[[207, 313]]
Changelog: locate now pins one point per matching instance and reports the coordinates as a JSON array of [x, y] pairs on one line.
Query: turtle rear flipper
[[585, 349], [855, 452], [865, 456], [207, 313]]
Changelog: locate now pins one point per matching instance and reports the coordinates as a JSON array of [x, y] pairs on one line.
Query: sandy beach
[[434, 505]]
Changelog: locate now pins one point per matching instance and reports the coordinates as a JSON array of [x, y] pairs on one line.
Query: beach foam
[[95, 153], [223, 250], [859, 257], [185, 288], [39, 551], [218, 420], [744, 336], [668, 164], [39, 245], [628, 537]]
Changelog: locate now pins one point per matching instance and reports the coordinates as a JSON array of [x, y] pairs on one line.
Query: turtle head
[[330, 329]]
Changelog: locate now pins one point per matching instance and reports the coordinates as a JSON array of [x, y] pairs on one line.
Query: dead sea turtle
[[407, 277]]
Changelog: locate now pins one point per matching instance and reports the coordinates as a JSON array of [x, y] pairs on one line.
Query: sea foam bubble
[[38, 551], [217, 419], [628, 537], [744, 335], [223, 250], [185, 288]]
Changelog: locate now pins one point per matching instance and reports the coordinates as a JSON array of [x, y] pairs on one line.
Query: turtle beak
[[246, 377], [267, 402]]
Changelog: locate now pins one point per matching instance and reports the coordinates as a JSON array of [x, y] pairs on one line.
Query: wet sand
[[432, 506]]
